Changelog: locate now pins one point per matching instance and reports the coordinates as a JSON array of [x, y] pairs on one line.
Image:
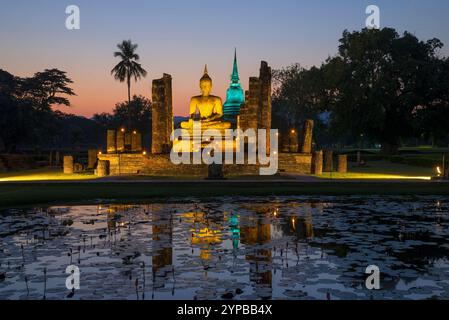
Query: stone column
[[328, 161], [68, 165], [103, 168], [162, 115], [111, 142], [249, 114], [293, 141], [136, 142], [265, 101], [342, 163], [92, 155], [307, 135], [120, 141], [284, 139], [128, 141], [317, 163]]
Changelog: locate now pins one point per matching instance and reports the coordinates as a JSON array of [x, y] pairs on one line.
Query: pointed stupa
[[235, 97], [235, 71]]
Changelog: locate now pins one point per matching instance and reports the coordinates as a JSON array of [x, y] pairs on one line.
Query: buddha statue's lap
[[210, 108]]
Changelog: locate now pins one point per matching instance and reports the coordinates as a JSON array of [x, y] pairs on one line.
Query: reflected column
[[256, 232], [162, 244]]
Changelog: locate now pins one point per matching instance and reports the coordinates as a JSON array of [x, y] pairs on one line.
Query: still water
[[229, 248]]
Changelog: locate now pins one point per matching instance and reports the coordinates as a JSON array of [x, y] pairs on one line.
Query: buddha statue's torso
[[210, 107]]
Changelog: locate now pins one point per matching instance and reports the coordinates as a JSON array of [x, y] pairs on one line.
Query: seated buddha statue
[[210, 108]]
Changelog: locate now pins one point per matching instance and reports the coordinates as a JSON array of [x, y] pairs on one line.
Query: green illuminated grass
[[382, 170]]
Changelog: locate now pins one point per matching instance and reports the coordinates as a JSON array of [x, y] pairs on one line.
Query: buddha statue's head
[[205, 83]]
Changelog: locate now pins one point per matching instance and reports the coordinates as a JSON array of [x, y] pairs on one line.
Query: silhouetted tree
[[26, 116], [137, 114], [129, 66], [379, 80]]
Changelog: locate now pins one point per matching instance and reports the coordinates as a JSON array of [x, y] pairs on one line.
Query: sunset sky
[[179, 37]]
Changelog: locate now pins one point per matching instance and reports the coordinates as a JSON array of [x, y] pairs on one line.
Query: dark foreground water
[[239, 248]]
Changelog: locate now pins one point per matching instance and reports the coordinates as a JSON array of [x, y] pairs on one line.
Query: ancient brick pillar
[[68, 165], [293, 141], [249, 114], [103, 168], [317, 163], [307, 135], [111, 142], [265, 100], [128, 141], [92, 155], [342, 163], [120, 141], [328, 161], [162, 115], [284, 143], [136, 142]]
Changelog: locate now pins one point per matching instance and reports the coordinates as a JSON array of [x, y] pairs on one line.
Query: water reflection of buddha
[[210, 107]]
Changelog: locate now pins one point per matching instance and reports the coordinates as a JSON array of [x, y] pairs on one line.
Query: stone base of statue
[[198, 135]]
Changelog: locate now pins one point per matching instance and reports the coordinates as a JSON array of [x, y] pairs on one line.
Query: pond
[[229, 248]]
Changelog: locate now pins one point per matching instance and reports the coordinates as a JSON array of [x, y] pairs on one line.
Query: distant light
[[122, 129], [100, 153], [144, 153], [293, 131], [438, 169], [134, 132]]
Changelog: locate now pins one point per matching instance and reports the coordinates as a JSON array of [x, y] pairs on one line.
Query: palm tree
[[128, 67]]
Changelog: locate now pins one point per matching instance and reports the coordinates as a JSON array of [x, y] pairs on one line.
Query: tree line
[[28, 120], [381, 86]]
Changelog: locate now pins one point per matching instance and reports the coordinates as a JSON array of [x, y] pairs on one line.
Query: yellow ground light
[[43, 175], [370, 176]]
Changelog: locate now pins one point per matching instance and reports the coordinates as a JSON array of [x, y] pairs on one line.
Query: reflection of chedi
[[210, 108]]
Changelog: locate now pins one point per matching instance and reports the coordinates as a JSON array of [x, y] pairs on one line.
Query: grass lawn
[[26, 194], [383, 170], [44, 174]]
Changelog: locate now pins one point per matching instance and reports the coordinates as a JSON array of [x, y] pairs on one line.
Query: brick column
[[307, 135], [136, 142], [120, 141], [317, 163], [111, 142], [342, 163], [68, 165], [92, 155], [328, 161], [103, 168], [162, 115]]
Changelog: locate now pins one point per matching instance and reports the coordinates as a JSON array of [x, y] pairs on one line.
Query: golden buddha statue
[[210, 108]]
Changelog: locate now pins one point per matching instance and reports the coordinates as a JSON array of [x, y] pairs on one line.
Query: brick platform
[[161, 165]]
